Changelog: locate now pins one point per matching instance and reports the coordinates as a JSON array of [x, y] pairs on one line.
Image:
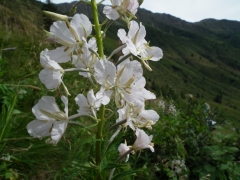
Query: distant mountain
[[200, 58]]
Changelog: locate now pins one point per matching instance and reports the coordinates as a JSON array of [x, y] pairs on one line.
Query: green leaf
[[209, 168], [223, 167], [124, 174], [112, 165], [15, 111], [237, 171], [232, 149]]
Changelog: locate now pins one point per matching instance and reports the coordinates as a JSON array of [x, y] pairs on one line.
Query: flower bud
[[140, 2], [55, 16]]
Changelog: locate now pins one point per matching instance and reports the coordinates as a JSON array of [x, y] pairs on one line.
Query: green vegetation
[[200, 60]]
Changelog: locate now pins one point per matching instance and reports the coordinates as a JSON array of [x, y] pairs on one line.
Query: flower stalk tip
[[55, 16]]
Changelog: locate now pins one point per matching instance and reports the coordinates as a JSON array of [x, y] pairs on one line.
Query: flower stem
[[99, 133], [97, 28], [99, 136], [118, 160]]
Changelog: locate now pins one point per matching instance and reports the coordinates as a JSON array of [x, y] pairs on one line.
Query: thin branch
[[123, 58], [116, 51], [117, 124]]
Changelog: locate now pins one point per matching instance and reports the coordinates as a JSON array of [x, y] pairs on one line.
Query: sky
[[190, 10]]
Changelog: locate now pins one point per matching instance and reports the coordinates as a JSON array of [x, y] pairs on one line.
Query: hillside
[[200, 58]]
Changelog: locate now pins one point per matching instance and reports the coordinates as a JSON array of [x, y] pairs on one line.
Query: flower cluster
[[122, 82]]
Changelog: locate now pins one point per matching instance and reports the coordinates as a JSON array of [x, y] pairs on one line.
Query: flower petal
[[51, 79], [59, 55], [82, 25], [39, 129], [110, 13], [155, 52], [58, 129]]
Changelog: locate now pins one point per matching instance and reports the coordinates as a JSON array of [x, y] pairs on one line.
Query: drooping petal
[[59, 55], [39, 129], [46, 62], [51, 79], [143, 140], [58, 129]]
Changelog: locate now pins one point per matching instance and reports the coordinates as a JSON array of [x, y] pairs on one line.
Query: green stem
[[99, 133], [118, 160], [97, 28], [99, 136], [123, 58], [9, 113]]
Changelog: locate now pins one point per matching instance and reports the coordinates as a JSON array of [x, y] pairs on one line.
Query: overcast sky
[[190, 10]]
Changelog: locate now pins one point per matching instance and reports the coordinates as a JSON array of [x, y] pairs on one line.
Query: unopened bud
[[146, 65], [73, 10], [140, 2], [55, 16]]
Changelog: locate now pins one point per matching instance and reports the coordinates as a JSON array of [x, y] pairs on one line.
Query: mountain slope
[[199, 58]]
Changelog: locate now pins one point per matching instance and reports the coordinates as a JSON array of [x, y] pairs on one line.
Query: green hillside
[[200, 58]]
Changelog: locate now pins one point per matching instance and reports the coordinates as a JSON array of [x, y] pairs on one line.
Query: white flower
[[143, 141], [138, 117], [172, 109], [137, 45], [50, 121], [146, 94], [123, 148], [89, 105], [87, 59], [161, 104], [121, 8], [52, 73], [119, 80], [71, 35]]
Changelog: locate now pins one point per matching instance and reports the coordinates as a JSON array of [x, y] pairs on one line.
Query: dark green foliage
[[218, 98], [190, 137]]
